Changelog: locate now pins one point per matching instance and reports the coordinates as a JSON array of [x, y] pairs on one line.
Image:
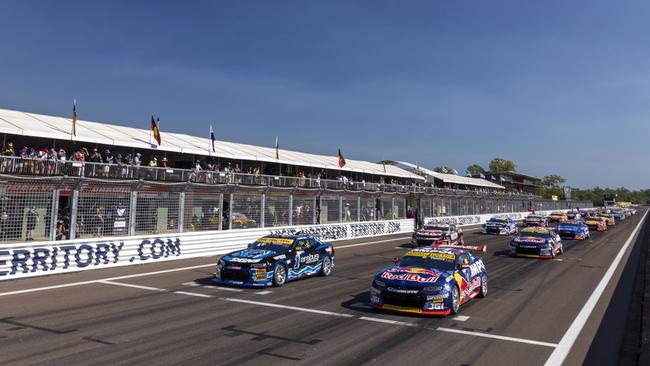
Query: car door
[[306, 257]]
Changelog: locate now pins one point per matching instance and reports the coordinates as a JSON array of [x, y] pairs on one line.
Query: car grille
[[533, 251], [235, 275], [567, 234], [421, 241], [493, 229], [405, 300]]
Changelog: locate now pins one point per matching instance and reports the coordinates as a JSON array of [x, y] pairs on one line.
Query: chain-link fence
[[66, 208]]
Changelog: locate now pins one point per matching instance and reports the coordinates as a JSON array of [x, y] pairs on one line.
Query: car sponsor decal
[[411, 274], [309, 259], [476, 267], [275, 241], [432, 255]]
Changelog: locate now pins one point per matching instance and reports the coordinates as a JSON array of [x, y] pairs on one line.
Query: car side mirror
[[396, 260]]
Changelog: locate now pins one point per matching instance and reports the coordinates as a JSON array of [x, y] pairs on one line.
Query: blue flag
[[212, 138]]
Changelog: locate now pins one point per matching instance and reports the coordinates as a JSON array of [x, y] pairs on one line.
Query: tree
[[552, 181], [475, 169], [498, 165], [443, 169]]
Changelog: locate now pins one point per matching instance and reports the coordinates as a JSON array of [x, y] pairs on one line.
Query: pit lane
[[130, 315]]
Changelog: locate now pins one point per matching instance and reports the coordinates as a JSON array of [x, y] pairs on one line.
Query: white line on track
[[148, 288], [193, 294], [494, 336], [340, 315], [566, 343], [295, 308]]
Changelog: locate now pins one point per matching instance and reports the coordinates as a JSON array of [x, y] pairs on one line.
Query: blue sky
[[557, 86]]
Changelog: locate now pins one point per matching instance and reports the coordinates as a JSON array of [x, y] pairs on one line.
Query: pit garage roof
[[449, 178], [38, 125]]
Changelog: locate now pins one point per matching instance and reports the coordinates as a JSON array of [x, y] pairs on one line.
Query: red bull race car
[[430, 281], [535, 220], [434, 233]]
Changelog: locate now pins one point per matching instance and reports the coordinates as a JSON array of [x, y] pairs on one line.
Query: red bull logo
[[420, 275]]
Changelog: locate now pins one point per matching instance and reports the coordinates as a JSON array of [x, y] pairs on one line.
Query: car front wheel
[[279, 275], [455, 300], [484, 286]]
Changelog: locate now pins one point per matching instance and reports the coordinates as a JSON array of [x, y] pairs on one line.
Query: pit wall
[[468, 220], [46, 258]]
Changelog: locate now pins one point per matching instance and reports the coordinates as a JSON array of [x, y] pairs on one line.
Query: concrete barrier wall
[[45, 258]]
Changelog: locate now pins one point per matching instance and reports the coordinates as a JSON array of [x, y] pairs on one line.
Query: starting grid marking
[[338, 315]]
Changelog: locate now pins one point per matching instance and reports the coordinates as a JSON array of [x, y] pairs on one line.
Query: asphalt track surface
[[169, 313]]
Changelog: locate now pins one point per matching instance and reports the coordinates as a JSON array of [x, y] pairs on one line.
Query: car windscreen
[[420, 262], [439, 228], [497, 221], [572, 224], [535, 234], [274, 244]]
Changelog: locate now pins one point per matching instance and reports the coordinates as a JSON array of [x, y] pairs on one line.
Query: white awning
[[37, 125], [450, 178]]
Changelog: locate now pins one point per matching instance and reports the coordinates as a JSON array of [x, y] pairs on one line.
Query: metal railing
[[42, 167]]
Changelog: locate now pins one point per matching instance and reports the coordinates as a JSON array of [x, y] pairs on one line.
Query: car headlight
[[259, 265], [379, 284]]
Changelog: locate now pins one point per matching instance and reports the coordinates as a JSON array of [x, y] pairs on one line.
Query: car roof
[[541, 230]]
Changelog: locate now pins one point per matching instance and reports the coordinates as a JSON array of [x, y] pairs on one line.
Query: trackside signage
[[38, 259]]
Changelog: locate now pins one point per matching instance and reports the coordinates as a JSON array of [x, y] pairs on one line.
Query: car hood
[[568, 228], [251, 255], [411, 276]]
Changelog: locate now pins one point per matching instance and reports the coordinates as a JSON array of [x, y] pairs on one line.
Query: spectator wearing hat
[[8, 164], [136, 160], [153, 162], [165, 162], [108, 159]]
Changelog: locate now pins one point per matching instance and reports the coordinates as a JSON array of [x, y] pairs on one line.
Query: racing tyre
[[326, 267], [561, 250], [455, 300], [279, 275], [484, 286]]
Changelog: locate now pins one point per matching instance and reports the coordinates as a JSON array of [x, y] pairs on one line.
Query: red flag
[[74, 118], [155, 130], [341, 160]]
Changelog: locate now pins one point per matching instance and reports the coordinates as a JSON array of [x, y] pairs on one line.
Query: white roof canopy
[[37, 125], [450, 178]]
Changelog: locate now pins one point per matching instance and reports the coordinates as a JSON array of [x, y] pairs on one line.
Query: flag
[[444, 170], [212, 138], [74, 118], [341, 160], [155, 130], [482, 176], [493, 177], [454, 171], [277, 149]]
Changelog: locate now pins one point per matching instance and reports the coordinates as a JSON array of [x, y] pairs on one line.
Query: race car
[[536, 243], [619, 214], [499, 226], [573, 229], [430, 281], [275, 259], [611, 221], [596, 223], [433, 233], [574, 215], [557, 216], [535, 220]]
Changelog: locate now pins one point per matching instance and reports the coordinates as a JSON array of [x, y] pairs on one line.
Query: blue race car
[[275, 259], [499, 226], [430, 281], [573, 229], [536, 242]]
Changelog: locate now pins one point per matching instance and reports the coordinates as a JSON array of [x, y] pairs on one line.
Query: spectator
[[4, 225], [61, 230], [153, 162], [32, 221], [95, 157], [136, 160], [97, 223], [9, 150], [165, 162]]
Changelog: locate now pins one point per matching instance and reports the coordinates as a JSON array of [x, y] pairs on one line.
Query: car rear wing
[[477, 248]]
